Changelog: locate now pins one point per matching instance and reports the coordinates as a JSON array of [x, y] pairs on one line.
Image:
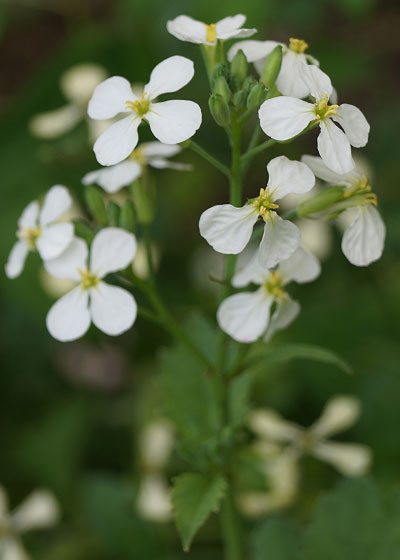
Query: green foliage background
[[74, 434]]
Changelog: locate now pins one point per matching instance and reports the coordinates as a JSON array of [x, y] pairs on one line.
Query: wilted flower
[[171, 122], [188, 29]]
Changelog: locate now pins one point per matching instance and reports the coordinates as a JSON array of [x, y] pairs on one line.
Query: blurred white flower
[[40, 510], [284, 117], [294, 58], [155, 444], [111, 308], [154, 154], [38, 230], [245, 316], [140, 264], [339, 414], [228, 229], [188, 29], [77, 84], [364, 235], [153, 501], [316, 237], [171, 122]]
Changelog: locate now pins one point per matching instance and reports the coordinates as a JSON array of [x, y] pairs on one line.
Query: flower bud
[[96, 205], [220, 69], [82, 230], [127, 216], [239, 99], [321, 201], [221, 87], [256, 97], [219, 110], [248, 83], [272, 67], [239, 66], [113, 211]]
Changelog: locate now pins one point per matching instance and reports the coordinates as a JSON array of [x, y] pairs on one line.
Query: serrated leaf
[[286, 352], [275, 539], [194, 497]]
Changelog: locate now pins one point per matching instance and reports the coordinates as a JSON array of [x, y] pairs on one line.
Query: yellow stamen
[[297, 45], [371, 198], [211, 33], [363, 191], [140, 107], [30, 235], [274, 284], [323, 110], [88, 280], [264, 204]]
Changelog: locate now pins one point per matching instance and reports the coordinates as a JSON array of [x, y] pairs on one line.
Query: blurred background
[[70, 414]]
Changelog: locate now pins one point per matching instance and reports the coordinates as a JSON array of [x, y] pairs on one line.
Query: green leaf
[[286, 352], [194, 497], [275, 539], [238, 398]]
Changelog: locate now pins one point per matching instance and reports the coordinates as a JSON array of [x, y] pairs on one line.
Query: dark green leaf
[[275, 539]]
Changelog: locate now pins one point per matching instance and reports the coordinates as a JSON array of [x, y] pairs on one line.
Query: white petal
[[118, 141], [12, 549], [316, 237], [56, 202], [54, 239], [169, 75], [323, 172], [288, 177], [338, 415], [248, 270], [159, 150], [290, 81], [39, 510], [54, 123], [230, 23], [110, 97], [283, 118], [29, 216], [112, 249], [226, 228], [349, 458], [364, 239], [334, 148], [254, 50], [300, 267], [172, 122], [113, 178], [270, 425], [153, 501], [285, 313], [236, 34], [16, 259], [186, 28], [113, 309], [318, 82], [280, 239], [245, 316], [69, 318], [354, 124], [68, 264], [79, 82], [159, 163]]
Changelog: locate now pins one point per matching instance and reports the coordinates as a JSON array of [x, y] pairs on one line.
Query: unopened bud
[[239, 99], [113, 211], [239, 66], [256, 97], [96, 205], [220, 69], [219, 110], [127, 216], [248, 83], [82, 230], [272, 67], [321, 201], [221, 87]]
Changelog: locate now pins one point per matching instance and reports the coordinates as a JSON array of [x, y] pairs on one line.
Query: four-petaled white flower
[[245, 316], [284, 117], [188, 29], [339, 414], [228, 229], [115, 177], [290, 80], [171, 122], [38, 230], [39, 510], [112, 309], [364, 238]]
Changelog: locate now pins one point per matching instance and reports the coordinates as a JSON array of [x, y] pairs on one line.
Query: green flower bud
[[219, 110], [96, 205], [220, 70], [272, 67], [239, 99], [256, 97], [82, 230], [113, 211], [239, 66], [273, 92], [221, 87], [248, 83], [321, 201], [127, 216]]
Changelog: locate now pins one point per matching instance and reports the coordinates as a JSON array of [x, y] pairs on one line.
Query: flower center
[[88, 280], [297, 45], [274, 284], [263, 204], [140, 107], [362, 191], [323, 110], [30, 235], [211, 33], [138, 155]]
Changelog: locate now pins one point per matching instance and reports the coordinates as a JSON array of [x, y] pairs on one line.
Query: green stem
[[260, 148], [208, 157], [231, 530], [149, 252]]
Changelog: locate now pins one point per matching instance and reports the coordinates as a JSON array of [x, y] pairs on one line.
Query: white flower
[[155, 154], [245, 316], [188, 29], [290, 80], [38, 230], [112, 309], [283, 118], [339, 414], [77, 85], [364, 238], [228, 229], [171, 122], [38, 511]]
